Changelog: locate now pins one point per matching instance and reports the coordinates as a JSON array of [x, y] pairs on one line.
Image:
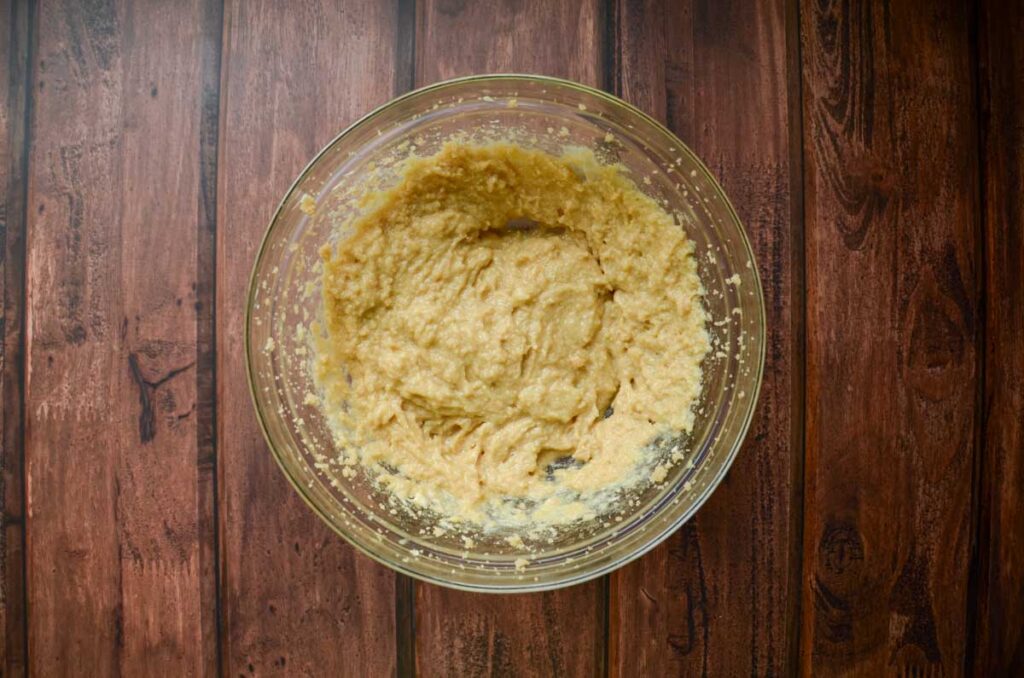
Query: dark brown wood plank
[[296, 599], [892, 225], [114, 490], [718, 597], [999, 650], [462, 37], [14, 86], [559, 633]]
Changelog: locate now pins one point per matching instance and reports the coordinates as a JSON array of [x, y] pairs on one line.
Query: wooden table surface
[[874, 521]]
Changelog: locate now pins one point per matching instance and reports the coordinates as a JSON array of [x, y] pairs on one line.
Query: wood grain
[[296, 599], [560, 633], [537, 634], [114, 491], [891, 190], [462, 37], [999, 650], [14, 95], [717, 598]]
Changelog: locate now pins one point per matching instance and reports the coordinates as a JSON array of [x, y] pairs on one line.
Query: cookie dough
[[507, 324]]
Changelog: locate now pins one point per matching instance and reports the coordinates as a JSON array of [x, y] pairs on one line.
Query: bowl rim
[[514, 586]]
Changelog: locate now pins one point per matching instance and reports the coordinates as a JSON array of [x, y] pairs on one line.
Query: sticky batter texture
[[508, 324]]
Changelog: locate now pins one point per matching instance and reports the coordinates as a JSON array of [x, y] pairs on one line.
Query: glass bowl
[[539, 112]]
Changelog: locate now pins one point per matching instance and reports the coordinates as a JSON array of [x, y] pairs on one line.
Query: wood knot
[[833, 619], [451, 8], [149, 374], [912, 619], [935, 342], [839, 587], [937, 347], [865, 190], [841, 548]]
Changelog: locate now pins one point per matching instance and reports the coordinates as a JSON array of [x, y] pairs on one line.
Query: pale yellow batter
[[505, 323]]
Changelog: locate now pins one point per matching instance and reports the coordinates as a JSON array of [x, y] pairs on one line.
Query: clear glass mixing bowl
[[550, 114]]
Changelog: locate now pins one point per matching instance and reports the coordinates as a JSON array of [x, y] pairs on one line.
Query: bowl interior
[[285, 303]]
